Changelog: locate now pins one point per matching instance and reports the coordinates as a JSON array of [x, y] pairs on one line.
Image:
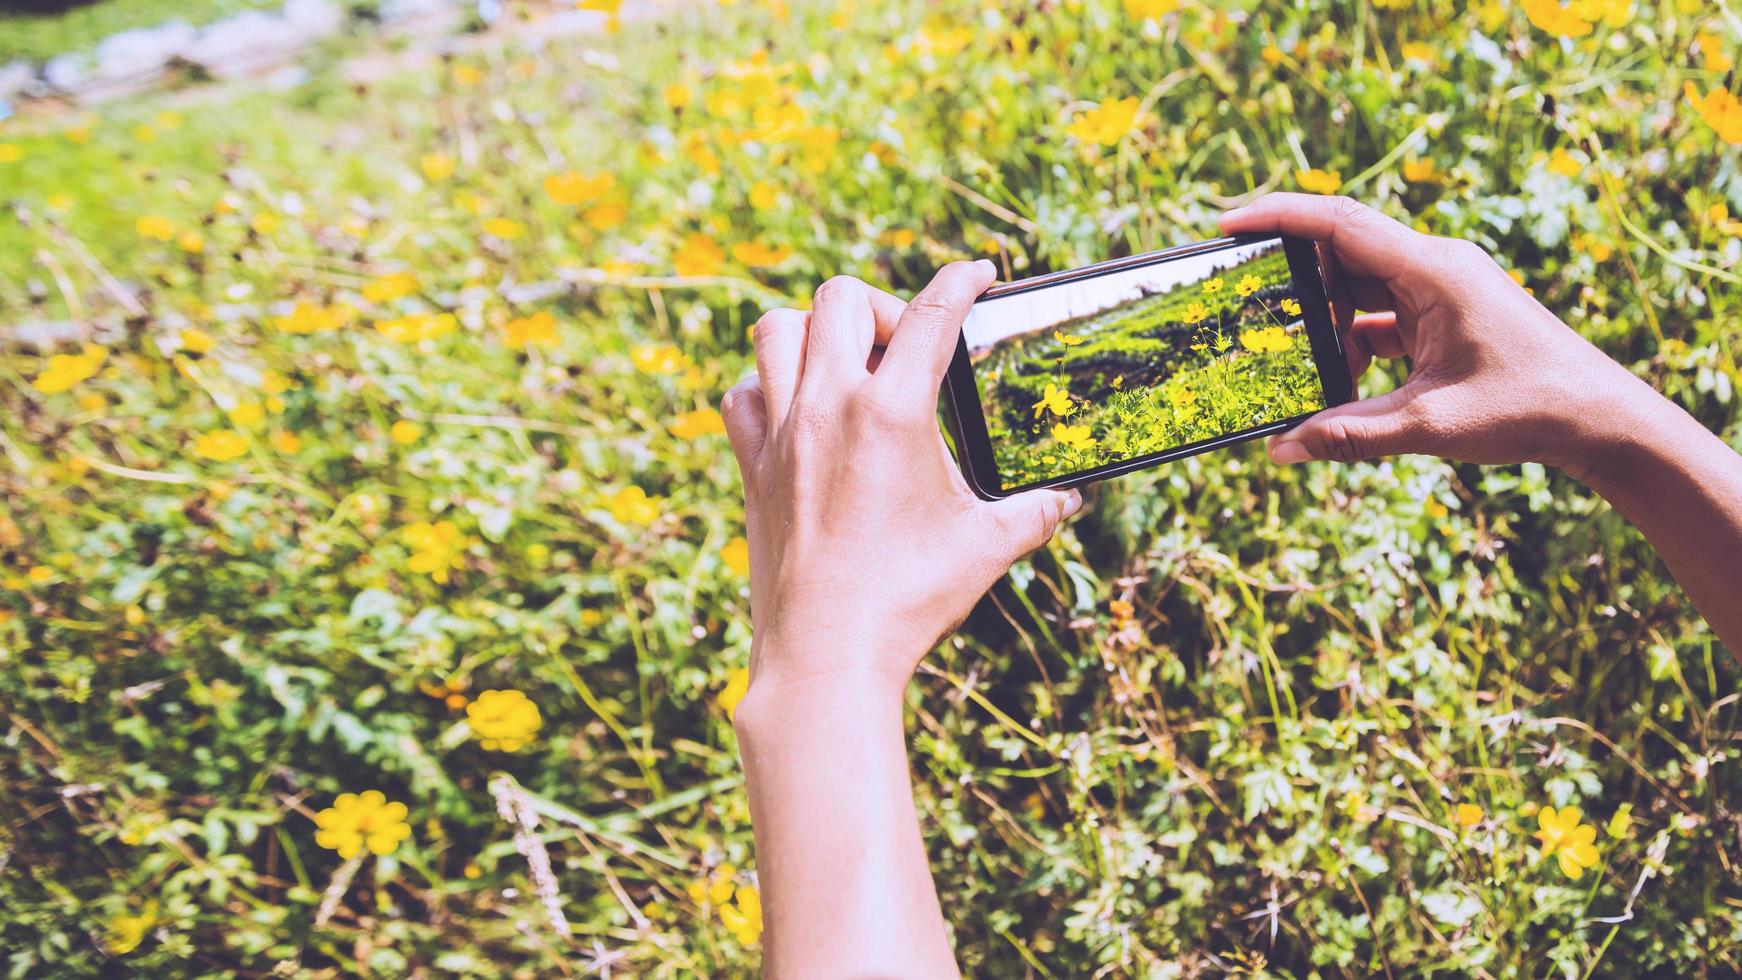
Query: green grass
[[1225, 685], [37, 37]]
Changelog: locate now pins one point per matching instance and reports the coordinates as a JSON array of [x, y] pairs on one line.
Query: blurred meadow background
[[372, 582]]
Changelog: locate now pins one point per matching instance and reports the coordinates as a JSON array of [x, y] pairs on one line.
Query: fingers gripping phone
[[1077, 376]]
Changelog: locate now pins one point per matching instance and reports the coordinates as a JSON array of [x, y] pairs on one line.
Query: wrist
[[819, 683], [1617, 437]]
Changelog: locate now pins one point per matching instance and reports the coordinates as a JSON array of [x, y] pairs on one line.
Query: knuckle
[[1348, 210], [836, 289], [1338, 441], [776, 321]]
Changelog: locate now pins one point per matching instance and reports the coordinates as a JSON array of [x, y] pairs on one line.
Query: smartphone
[[1076, 376]]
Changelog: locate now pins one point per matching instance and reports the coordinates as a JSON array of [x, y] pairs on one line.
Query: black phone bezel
[[967, 418]]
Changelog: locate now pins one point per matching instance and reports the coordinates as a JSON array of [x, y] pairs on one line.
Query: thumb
[[1381, 426], [1026, 521]]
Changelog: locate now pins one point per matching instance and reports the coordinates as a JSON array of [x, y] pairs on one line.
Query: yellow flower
[[1248, 285], [63, 371], [394, 285], [1056, 401], [436, 549], [1564, 163], [713, 891], [1107, 123], [1596, 248], [1419, 171], [1266, 339], [1721, 110], [1195, 312], [1620, 825], [678, 95], [658, 359], [11, 153], [247, 415], [417, 327], [698, 256], [1149, 9], [764, 195], [356, 821], [1181, 397], [404, 432], [632, 505], [1067, 339], [287, 443], [694, 425], [126, 932], [222, 445], [437, 166], [537, 330], [1212, 285], [737, 685], [613, 19], [1561, 20], [1565, 838], [575, 187], [605, 215], [1711, 49], [736, 556], [1317, 181], [467, 75], [1417, 51], [264, 223], [759, 256], [196, 341], [744, 921], [503, 720], [1271, 55], [1291, 307], [39, 574], [191, 242], [1467, 815], [506, 229], [312, 319], [1072, 436], [155, 226]]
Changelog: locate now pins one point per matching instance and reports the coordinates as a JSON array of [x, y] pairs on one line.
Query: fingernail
[[1229, 214], [990, 267], [1289, 452], [1073, 503]]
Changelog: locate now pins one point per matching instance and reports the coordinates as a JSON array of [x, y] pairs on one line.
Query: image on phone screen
[[1074, 376]]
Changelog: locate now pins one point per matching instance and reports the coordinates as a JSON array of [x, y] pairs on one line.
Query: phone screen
[[1089, 372]]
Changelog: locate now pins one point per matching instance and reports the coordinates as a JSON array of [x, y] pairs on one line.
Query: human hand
[[866, 545], [1494, 376]]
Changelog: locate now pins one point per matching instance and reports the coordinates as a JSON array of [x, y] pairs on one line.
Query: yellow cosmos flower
[[127, 931], [247, 415], [1564, 163], [1576, 18], [506, 229], [1266, 340], [1072, 436], [417, 327], [196, 341], [1291, 307], [1317, 181], [605, 215], [1566, 839], [222, 445], [504, 721], [1620, 826], [1711, 50], [1212, 285], [466, 76], [715, 890], [404, 432], [610, 8], [744, 919], [155, 227], [1056, 401], [759, 256], [191, 242], [1107, 123], [736, 556], [1417, 51], [436, 549], [678, 95], [1067, 339], [701, 422], [537, 330], [1149, 9], [264, 223], [764, 195], [658, 359], [698, 256], [395, 285], [11, 153], [1721, 110], [737, 685], [632, 505], [356, 821], [575, 187], [1467, 815], [1181, 397], [1248, 285], [437, 166], [1419, 171], [1195, 312], [286, 443], [63, 371]]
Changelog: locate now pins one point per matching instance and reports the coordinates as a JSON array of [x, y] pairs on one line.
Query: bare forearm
[[1682, 487], [846, 886]]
